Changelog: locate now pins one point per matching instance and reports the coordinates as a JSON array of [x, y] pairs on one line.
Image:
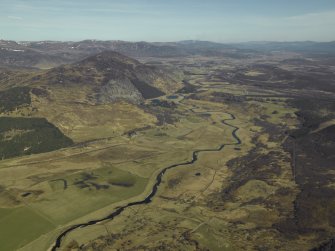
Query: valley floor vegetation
[[69, 159]]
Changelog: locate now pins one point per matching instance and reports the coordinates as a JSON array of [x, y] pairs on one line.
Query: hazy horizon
[[162, 21], [173, 41]]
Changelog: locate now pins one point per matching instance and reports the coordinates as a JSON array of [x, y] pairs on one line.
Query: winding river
[[159, 177]]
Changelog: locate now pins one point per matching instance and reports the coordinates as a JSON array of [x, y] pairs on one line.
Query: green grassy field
[[87, 191], [18, 226]]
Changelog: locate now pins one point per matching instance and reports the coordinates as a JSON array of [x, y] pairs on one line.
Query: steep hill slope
[[94, 98], [109, 76]]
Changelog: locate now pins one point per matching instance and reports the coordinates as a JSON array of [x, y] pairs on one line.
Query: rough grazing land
[[240, 157]]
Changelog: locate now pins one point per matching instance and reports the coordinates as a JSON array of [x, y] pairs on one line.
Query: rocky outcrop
[[119, 89]]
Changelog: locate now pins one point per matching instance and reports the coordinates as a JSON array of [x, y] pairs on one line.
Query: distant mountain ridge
[[47, 54], [300, 46]]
